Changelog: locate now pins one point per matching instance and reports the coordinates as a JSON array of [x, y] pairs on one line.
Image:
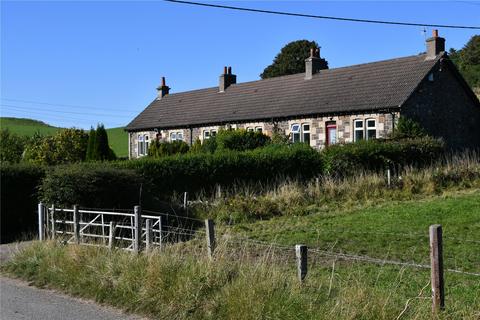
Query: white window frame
[[176, 136], [250, 129], [207, 133], [300, 132], [143, 141], [368, 128], [259, 129], [355, 129]]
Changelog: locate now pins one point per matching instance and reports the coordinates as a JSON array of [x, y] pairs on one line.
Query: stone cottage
[[322, 107]]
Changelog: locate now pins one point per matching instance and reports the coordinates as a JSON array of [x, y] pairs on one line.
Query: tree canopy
[[467, 60], [291, 59]]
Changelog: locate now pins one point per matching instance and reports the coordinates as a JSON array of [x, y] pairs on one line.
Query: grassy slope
[[232, 287], [117, 137]]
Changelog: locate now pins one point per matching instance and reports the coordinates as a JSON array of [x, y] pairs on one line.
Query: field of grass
[[117, 137], [250, 280]]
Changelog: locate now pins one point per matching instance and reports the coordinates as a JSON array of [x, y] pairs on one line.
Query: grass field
[[117, 137], [247, 280]]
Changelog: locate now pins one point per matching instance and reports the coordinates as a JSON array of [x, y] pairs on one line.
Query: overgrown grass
[[182, 283], [247, 203]]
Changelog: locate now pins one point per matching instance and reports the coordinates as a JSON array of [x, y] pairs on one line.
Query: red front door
[[331, 130]]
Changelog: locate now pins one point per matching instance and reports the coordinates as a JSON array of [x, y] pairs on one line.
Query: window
[[249, 129], [176, 136], [300, 133], [295, 133], [259, 129], [142, 144], [430, 77], [358, 130], [209, 133], [371, 129]]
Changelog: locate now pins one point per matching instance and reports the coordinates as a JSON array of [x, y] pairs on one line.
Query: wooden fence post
[[301, 253], [137, 210], [41, 229], [436, 260], [160, 231], [185, 200], [389, 178], [148, 235], [76, 224], [210, 236], [111, 235], [53, 222]]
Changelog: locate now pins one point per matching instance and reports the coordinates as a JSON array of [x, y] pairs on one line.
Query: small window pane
[[358, 124], [295, 128], [370, 123], [206, 134], [371, 134], [306, 137], [296, 137], [306, 127], [179, 135], [259, 129], [249, 129], [173, 136], [213, 133], [358, 135]]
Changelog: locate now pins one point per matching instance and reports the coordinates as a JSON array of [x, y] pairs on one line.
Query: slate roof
[[364, 87]]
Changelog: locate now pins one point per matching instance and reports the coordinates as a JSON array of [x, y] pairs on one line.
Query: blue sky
[[88, 62]]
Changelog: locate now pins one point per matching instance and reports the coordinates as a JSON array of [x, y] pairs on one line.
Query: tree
[[467, 60], [408, 129], [101, 150], [91, 144], [65, 146], [11, 146], [291, 59]]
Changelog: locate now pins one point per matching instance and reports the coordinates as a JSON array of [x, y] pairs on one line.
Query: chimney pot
[[311, 52], [225, 70], [435, 33], [229, 70], [163, 81]]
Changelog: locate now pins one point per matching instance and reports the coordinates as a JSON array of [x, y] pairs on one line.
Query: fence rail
[[136, 231]]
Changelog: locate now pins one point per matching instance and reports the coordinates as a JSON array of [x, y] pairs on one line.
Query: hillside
[[117, 138]]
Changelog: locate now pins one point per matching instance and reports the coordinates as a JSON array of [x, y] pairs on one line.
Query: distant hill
[[117, 138]]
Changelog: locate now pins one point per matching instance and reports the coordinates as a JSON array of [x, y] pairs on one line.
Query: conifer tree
[[102, 150], [91, 145]]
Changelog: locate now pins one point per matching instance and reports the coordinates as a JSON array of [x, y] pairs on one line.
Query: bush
[[408, 129], [159, 149], [19, 199], [240, 140], [94, 186], [193, 172], [346, 159], [11, 146], [65, 146], [207, 146]]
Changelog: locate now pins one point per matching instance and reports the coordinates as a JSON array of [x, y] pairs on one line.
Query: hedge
[[19, 199], [193, 172], [347, 159], [94, 185]]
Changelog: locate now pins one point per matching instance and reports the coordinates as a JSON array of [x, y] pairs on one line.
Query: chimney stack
[[314, 63], [226, 79], [163, 89], [435, 45]]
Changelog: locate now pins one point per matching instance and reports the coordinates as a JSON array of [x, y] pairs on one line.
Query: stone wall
[[442, 105], [344, 126]]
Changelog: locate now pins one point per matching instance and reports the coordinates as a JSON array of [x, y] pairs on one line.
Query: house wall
[[444, 108], [344, 125]]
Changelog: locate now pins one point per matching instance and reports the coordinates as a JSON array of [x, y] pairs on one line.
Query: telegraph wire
[[67, 105], [303, 15], [21, 108]]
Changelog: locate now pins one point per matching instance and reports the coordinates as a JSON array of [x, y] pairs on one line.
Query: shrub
[[159, 149], [19, 199], [408, 129], [66, 146], [11, 146], [345, 159], [207, 146], [240, 140], [196, 171], [94, 186]]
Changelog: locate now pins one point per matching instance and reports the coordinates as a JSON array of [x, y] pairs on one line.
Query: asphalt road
[[19, 301]]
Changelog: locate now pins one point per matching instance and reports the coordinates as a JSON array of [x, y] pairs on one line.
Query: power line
[[322, 17], [67, 105], [61, 111]]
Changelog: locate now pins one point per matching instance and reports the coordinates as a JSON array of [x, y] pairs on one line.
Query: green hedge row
[[347, 159], [19, 199]]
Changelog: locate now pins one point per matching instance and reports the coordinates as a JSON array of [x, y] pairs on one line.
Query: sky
[[76, 64]]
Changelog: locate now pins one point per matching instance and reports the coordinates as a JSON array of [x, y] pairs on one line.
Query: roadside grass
[[247, 280], [117, 137], [182, 283]]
